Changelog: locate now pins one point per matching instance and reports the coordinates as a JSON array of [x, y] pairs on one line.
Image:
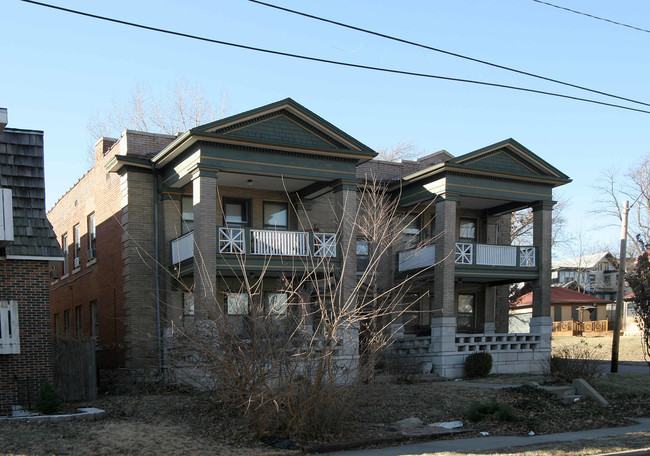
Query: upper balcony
[[478, 261], [266, 245]]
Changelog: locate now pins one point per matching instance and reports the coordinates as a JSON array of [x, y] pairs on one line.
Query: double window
[[238, 303]]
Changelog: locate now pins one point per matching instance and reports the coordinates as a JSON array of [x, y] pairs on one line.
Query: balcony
[[478, 261], [247, 241], [416, 258], [468, 253]]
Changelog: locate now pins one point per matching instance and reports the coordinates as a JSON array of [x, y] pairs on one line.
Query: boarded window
[[9, 333]]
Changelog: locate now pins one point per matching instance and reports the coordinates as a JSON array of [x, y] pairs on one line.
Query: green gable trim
[[518, 153], [502, 160]]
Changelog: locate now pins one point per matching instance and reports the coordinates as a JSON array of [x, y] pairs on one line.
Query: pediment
[[510, 158], [285, 124]]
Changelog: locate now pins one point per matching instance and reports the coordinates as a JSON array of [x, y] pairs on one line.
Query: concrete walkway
[[492, 443]]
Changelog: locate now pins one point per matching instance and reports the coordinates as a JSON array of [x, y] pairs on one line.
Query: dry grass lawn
[[630, 348]]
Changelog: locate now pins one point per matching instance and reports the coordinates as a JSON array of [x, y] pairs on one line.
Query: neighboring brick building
[[260, 194], [27, 246]]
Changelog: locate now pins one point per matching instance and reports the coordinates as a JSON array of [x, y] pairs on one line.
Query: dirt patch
[[189, 423]]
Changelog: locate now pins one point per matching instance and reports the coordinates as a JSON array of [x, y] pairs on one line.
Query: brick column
[[444, 271], [171, 295], [204, 193], [491, 237], [541, 321], [346, 208], [443, 321]]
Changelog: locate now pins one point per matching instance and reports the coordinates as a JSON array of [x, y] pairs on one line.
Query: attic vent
[[6, 217]]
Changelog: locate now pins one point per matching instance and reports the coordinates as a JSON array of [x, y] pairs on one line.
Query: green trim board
[[496, 273], [227, 158], [251, 263]]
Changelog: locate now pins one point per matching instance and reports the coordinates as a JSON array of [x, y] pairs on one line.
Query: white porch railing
[[286, 243], [183, 248], [416, 258], [495, 255], [238, 241]]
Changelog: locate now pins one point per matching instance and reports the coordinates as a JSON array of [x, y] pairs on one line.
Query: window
[[66, 253], [465, 313], [467, 229], [276, 304], [276, 216], [9, 333], [557, 313], [78, 319], [237, 303], [236, 212], [92, 235], [94, 322], [77, 246], [411, 231], [363, 255], [66, 322], [187, 214]]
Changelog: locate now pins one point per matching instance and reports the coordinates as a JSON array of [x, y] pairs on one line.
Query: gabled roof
[[509, 157], [506, 159], [284, 125], [21, 170], [584, 262], [561, 295]]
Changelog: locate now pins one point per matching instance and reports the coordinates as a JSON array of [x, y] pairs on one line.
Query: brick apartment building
[[265, 189], [27, 246]]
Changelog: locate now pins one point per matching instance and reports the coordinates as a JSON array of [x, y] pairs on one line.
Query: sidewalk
[[492, 443]]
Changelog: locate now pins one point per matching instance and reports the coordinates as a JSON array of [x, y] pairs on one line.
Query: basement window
[[9, 333]]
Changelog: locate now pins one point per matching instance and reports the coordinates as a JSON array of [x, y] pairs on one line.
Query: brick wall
[[102, 281], [21, 374]]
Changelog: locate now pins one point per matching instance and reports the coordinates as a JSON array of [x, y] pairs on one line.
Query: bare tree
[[521, 228], [634, 185], [401, 151], [185, 106]]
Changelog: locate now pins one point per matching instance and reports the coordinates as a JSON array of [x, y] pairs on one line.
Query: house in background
[[574, 313], [27, 246], [596, 274], [265, 192]]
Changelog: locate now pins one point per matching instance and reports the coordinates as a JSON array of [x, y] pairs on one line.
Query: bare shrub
[[574, 361], [290, 369]]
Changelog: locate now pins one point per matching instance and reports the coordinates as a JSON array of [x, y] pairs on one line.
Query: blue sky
[[60, 69]]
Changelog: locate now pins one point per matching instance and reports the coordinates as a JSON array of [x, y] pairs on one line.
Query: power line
[[454, 54], [333, 62], [592, 16]]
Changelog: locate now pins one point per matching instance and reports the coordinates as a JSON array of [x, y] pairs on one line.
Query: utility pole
[[621, 281]]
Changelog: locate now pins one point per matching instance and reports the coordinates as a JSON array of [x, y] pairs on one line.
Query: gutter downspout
[[161, 371]]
